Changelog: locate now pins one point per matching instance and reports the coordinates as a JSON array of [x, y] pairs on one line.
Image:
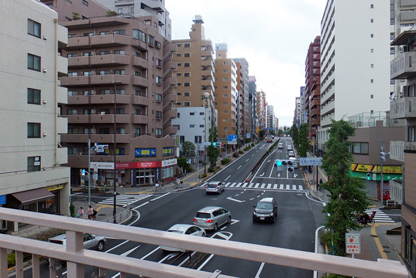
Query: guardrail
[[77, 257]]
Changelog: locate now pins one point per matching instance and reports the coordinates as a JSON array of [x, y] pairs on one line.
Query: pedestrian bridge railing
[[77, 257]]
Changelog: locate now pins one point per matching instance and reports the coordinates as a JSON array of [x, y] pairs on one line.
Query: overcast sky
[[272, 35]]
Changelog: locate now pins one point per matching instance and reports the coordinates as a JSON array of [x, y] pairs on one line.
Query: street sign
[[310, 161], [352, 243], [206, 144], [232, 139]]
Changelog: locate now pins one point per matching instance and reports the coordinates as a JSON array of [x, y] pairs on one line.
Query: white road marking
[[161, 196], [148, 254], [239, 184], [129, 251], [259, 271], [239, 167], [262, 185], [235, 200], [228, 177]]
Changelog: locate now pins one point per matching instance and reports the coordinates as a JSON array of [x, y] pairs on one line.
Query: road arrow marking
[[235, 200]]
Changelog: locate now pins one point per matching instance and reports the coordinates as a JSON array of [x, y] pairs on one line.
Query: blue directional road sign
[[232, 139], [310, 161]]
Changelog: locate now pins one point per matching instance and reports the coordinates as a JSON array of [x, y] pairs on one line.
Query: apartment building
[[195, 87], [261, 109], [270, 118], [403, 107], [69, 10], [32, 175], [252, 89], [243, 102], [354, 65], [312, 87], [140, 8], [121, 81], [226, 92]]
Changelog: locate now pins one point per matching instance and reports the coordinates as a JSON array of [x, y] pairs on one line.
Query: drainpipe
[[55, 102]]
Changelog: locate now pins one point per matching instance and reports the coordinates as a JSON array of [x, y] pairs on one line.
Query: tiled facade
[[120, 81]]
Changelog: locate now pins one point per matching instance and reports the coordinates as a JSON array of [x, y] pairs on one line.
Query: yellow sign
[[363, 168], [55, 187], [389, 169]]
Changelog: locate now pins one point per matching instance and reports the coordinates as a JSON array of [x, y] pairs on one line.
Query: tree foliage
[[188, 149], [295, 136], [213, 152], [346, 193], [303, 140]]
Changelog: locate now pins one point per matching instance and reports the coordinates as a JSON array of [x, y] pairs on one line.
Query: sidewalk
[[375, 242]]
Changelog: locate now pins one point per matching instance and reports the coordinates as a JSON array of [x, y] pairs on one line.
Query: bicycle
[[160, 187]]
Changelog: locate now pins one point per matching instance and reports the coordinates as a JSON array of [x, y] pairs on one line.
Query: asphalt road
[[298, 218]]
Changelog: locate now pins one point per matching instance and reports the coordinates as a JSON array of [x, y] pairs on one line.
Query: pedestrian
[[320, 182], [80, 213], [90, 212]]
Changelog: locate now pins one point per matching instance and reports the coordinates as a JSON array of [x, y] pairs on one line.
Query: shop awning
[[33, 196]]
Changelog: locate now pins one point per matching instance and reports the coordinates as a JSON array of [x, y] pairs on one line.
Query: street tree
[[295, 136], [188, 149], [213, 151], [346, 194], [303, 141]]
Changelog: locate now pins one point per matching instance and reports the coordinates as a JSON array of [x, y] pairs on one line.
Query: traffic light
[[285, 162], [383, 156], [368, 176], [214, 144], [278, 162], [290, 166]]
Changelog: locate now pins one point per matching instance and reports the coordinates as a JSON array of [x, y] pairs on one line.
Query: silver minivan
[[210, 218], [215, 187]]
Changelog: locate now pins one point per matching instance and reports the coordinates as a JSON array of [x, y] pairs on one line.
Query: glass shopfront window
[[145, 176], [167, 172]]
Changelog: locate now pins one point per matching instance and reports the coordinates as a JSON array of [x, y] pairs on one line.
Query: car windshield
[[263, 205], [203, 215], [212, 185]]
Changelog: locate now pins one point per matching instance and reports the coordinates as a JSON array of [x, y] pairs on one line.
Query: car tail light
[[195, 220], [217, 186], [209, 221]]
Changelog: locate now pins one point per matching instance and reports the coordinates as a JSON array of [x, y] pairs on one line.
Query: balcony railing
[[403, 66], [77, 257], [402, 108]]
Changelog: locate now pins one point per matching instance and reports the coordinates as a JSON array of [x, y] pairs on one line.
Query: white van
[[280, 146]]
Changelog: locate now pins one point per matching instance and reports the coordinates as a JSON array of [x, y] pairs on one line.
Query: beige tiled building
[[33, 175], [120, 81]]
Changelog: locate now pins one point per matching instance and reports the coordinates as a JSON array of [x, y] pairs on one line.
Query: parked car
[[215, 187], [184, 229], [90, 241], [210, 218], [265, 210]]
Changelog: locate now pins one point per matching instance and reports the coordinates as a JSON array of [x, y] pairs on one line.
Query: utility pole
[[197, 162], [382, 158], [89, 171]]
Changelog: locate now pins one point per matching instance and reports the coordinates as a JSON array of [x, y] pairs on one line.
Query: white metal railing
[[77, 257]]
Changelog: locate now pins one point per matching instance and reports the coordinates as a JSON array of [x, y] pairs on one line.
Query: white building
[[138, 8], [355, 60], [31, 175]]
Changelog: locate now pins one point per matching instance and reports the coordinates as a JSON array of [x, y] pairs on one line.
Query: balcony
[[140, 119], [172, 81], [170, 130], [139, 81], [77, 62], [78, 119], [170, 48], [397, 150], [110, 79], [139, 100], [207, 83], [170, 98], [79, 42], [68, 81], [170, 65], [170, 114], [78, 99], [207, 63], [109, 118], [139, 62], [109, 40], [109, 60], [62, 95], [74, 138], [108, 99], [403, 66], [139, 44], [315, 102], [403, 108]]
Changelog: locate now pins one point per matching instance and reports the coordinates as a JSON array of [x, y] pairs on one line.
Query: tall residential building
[[244, 97], [298, 113], [69, 10], [32, 175], [140, 8], [226, 92], [402, 106], [120, 93], [195, 87], [354, 65], [270, 117], [252, 90], [312, 82], [261, 109]]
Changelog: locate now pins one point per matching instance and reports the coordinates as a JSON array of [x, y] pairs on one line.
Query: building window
[[158, 114], [187, 65], [411, 134], [179, 84], [372, 35], [33, 96], [371, 96], [225, 71], [372, 6], [198, 139], [181, 139], [225, 95], [179, 64], [186, 45], [186, 84], [72, 112], [33, 130], [191, 126], [392, 50], [158, 132], [225, 111], [151, 40], [187, 74], [33, 28], [33, 62], [191, 113], [136, 132], [187, 94], [104, 92], [104, 72], [372, 50], [225, 103], [120, 71], [85, 2], [139, 35], [33, 163], [178, 44], [120, 130], [186, 103], [372, 65], [159, 80], [392, 36], [201, 126], [372, 80], [158, 97], [187, 55], [225, 79], [225, 63], [201, 113], [178, 74], [360, 148]]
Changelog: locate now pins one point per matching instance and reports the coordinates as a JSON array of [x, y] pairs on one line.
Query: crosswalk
[[124, 200], [380, 216], [275, 186]]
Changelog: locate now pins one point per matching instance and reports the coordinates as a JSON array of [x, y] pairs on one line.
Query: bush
[[11, 258], [235, 154], [211, 169], [204, 176], [225, 161], [240, 152], [72, 210], [252, 144]]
